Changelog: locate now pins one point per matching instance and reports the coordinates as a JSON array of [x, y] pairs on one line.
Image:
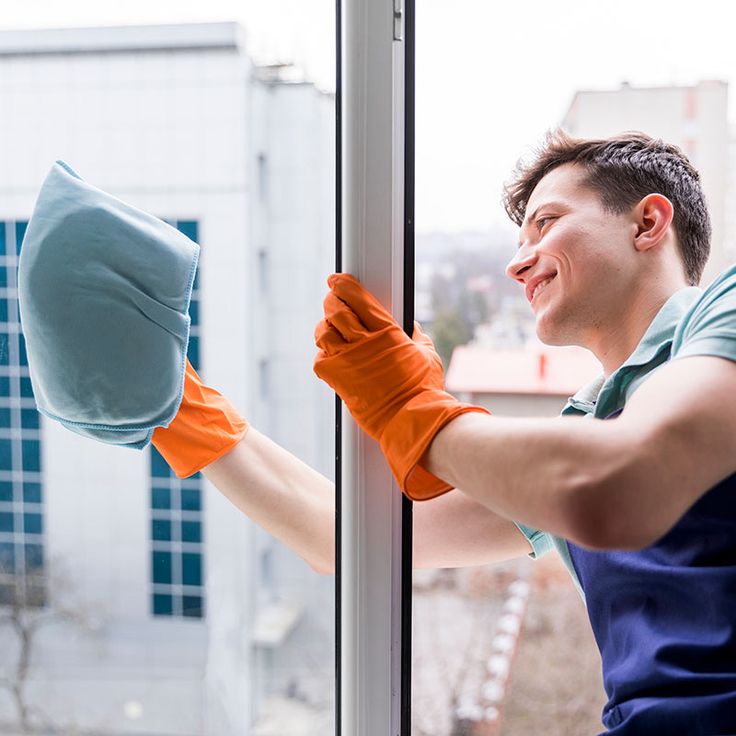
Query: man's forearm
[[282, 494], [547, 473], [296, 504]]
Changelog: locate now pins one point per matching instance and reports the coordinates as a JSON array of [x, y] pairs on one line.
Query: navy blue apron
[[664, 618]]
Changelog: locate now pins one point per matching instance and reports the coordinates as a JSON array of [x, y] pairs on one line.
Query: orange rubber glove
[[392, 385], [206, 427]]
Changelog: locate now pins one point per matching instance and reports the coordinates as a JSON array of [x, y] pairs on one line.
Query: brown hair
[[622, 170]]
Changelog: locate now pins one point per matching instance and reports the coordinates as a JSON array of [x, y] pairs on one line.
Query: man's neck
[[614, 344]]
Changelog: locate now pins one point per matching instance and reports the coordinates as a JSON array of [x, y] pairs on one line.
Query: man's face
[[575, 260]]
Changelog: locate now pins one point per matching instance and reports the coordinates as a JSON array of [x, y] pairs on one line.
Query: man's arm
[[621, 483], [296, 505]]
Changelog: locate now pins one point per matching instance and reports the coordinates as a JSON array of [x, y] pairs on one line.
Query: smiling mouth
[[541, 286]]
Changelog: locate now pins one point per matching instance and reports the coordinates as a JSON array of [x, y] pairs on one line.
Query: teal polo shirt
[[692, 321]]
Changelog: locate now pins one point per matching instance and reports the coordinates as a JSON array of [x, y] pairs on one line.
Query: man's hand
[[392, 385], [205, 427]]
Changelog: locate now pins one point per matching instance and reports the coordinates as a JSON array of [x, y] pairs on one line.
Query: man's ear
[[653, 216]]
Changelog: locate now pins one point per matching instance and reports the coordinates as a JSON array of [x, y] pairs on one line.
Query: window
[[177, 577], [22, 570]]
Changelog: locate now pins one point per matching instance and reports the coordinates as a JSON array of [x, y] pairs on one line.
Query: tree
[[448, 331], [31, 602]]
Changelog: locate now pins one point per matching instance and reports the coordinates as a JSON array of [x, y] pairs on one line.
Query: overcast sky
[[491, 76]]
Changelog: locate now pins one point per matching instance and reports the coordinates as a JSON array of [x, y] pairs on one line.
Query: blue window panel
[[192, 606], [6, 491], [6, 455], [2, 237], [4, 416], [31, 492], [163, 605], [161, 562], [191, 499], [23, 355], [3, 269], [160, 498], [3, 310], [189, 228], [6, 521], [161, 530], [20, 233], [32, 523], [4, 386], [193, 351], [4, 349], [191, 568], [29, 419], [159, 466], [191, 531], [26, 389], [194, 311], [7, 557], [32, 455], [34, 556]]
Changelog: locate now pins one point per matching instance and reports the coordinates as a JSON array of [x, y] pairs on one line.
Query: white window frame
[[373, 697]]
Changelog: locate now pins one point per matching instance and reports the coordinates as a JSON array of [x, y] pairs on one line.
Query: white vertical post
[[372, 243]]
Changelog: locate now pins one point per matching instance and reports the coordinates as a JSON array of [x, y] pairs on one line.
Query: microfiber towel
[[104, 292]]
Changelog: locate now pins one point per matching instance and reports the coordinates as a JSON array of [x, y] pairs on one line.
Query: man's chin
[[550, 336]]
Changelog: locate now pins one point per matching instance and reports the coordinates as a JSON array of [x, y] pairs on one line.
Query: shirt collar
[[657, 338]]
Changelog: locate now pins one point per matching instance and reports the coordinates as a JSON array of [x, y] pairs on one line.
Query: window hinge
[[398, 20]]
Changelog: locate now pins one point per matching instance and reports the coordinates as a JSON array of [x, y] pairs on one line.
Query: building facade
[[174, 588]]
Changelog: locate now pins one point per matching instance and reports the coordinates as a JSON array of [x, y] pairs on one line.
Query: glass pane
[[29, 418], [180, 118], [162, 567], [6, 491], [32, 523], [6, 521], [32, 492], [161, 529], [491, 80]]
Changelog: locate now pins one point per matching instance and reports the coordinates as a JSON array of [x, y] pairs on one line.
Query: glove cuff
[[206, 427], [410, 433]]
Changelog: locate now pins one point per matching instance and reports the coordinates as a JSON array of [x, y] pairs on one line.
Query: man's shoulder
[[709, 325]]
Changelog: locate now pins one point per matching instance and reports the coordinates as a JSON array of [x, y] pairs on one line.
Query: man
[[614, 235]]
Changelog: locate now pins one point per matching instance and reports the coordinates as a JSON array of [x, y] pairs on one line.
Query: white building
[[200, 618], [692, 117]]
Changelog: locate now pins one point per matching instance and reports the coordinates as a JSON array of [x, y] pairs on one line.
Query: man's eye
[[541, 221]]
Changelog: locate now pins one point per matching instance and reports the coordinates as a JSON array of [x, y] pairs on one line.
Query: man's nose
[[522, 261]]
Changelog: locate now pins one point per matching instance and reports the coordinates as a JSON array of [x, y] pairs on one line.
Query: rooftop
[[555, 371], [26, 42]]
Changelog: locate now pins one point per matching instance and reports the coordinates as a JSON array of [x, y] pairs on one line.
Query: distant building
[[693, 118], [534, 381], [201, 617]]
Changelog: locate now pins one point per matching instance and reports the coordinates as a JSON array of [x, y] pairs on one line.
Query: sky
[[492, 77]]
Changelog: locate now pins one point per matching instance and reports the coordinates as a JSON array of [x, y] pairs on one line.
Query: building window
[[177, 544], [22, 566]]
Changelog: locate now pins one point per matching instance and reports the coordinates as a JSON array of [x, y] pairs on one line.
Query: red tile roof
[[537, 370]]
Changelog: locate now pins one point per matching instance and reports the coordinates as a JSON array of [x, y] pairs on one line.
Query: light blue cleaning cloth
[[104, 292]]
